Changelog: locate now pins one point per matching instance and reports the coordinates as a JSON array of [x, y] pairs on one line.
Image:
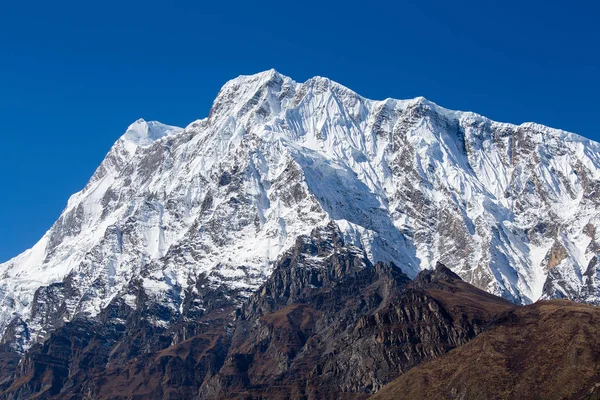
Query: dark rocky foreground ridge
[[548, 350], [327, 324]]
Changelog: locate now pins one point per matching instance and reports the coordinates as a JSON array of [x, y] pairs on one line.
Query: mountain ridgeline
[[294, 244]]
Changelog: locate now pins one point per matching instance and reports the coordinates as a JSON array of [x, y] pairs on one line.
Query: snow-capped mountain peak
[[512, 209], [142, 133]]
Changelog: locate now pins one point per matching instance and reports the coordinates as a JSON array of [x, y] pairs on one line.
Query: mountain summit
[[171, 212]]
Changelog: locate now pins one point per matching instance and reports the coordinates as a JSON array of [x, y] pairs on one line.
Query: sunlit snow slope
[[512, 209]]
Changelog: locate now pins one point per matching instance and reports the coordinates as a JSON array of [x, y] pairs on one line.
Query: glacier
[[512, 209]]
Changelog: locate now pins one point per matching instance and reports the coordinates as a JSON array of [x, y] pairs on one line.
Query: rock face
[[172, 214], [549, 350], [326, 324], [348, 329]]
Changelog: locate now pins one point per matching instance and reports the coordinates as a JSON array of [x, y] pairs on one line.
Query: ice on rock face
[[511, 209]]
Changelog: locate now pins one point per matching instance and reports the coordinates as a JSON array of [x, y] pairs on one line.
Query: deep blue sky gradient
[[74, 75]]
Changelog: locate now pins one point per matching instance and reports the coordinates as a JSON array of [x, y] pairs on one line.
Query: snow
[[405, 180], [142, 133]]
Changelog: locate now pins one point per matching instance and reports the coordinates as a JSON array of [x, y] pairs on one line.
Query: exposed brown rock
[[556, 254], [548, 350], [349, 337]]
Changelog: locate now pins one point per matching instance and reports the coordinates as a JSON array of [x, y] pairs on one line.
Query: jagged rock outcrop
[[346, 334]]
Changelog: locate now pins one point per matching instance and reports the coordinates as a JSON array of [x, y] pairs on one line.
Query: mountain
[[327, 324], [177, 221], [548, 350]]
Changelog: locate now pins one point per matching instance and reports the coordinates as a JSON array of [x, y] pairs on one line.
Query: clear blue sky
[[74, 75]]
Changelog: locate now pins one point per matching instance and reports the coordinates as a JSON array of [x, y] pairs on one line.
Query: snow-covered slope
[[512, 209]]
